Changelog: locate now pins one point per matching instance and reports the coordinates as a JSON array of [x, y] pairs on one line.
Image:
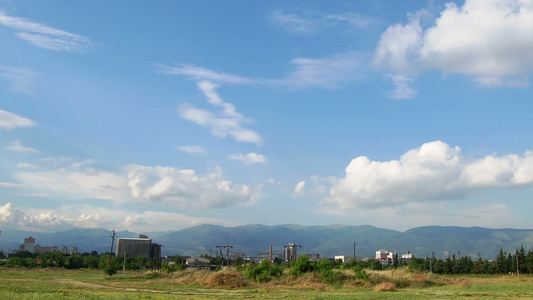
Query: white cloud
[[10, 214], [402, 87], [46, 37], [19, 79], [308, 23], [200, 74], [135, 183], [250, 158], [299, 189], [486, 39], [16, 146], [192, 149], [10, 121], [9, 185], [226, 122], [85, 183], [329, 72], [86, 216], [186, 189], [47, 220], [433, 171], [26, 166]]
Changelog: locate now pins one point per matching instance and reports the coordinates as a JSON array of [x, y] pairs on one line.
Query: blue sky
[[161, 115]]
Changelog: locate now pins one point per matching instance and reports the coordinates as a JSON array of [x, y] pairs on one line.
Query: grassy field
[[87, 284]]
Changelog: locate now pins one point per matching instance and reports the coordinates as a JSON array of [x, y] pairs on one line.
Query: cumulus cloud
[[63, 218], [486, 39], [299, 189], [433, 171], [136, 183], [186, 189], [10, 121], [46, 37], [308, 23], [250, 158], [86, 216], [224, 122], [16, 146], [9, 214]]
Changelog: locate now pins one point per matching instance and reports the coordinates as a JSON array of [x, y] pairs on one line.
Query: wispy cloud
[[307, 23], [328, 72], [9, 185], [19, 79], [192, 149], [200, 74], [223, 123], [16, 146], [46, 37], [250, 158], [402, 87], [10, 121], [26, 166]]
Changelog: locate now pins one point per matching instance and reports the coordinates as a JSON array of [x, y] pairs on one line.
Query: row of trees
[[93, 260], [518, 262]]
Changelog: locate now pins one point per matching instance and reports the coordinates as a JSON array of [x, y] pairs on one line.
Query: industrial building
[[141, 246], [29, 245]]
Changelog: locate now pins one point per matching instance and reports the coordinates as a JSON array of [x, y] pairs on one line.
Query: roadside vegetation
[[419, 279]]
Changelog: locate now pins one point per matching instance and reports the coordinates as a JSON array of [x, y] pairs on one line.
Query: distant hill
[[327, 240]]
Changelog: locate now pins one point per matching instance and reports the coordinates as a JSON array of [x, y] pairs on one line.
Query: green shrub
[[301, 265], [360, 274], [264, 271]]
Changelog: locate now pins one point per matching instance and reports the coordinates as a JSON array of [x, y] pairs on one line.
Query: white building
[[384, 256], [198, 262], [344, 258]]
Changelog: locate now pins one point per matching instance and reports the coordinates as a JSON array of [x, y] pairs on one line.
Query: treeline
[[518, 262], [107, 262]]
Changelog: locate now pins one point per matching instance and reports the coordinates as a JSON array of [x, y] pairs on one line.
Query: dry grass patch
[[385, 287], [225, 279]]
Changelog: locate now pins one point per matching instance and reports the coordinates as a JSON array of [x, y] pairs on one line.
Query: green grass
[[88, 284]]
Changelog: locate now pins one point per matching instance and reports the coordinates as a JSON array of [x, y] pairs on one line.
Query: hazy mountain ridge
[[327, 240]]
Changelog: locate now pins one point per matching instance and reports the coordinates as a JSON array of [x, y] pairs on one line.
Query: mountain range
[[327, 241]]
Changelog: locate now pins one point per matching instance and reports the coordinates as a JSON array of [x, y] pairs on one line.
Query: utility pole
[[354, 251], [112, 241]]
